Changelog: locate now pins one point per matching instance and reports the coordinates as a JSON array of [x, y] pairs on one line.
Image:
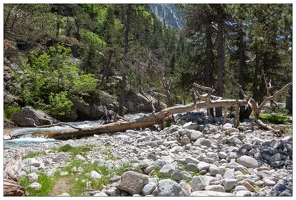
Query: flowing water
[[26, 133]]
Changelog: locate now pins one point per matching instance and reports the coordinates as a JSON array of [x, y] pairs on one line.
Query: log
[[147, 121], [13, 188], [11, 174]]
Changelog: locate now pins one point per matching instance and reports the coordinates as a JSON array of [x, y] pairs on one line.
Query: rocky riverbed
[[195, 157]]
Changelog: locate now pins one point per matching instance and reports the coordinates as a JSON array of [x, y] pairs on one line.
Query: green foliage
[[52, 79], [9, 110], [259, 38], [92, 38], [273, 118], [60, 105]]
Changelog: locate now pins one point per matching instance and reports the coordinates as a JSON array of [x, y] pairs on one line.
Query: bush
[[9, 110], [61, 106]]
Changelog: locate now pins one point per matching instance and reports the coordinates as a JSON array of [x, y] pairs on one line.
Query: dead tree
[[147, 121], [257, 109]]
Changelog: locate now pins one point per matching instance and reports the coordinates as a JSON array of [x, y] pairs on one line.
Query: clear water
[[26, 132]]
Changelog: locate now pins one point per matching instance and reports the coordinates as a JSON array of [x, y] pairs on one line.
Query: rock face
[[28, 117]]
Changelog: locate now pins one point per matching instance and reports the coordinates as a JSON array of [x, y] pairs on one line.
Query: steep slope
[[168, 14]]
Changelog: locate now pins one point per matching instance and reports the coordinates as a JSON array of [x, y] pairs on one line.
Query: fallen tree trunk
[[11, 174], [147, 121], [13, 188]]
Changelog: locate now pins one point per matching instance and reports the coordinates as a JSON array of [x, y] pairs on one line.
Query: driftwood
[[147, 121], [11, 175]]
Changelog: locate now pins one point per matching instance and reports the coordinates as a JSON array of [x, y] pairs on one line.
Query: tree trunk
[[220, 14], [243, 114], [147, 121], [209, 58], [289, 100], [123, 82]]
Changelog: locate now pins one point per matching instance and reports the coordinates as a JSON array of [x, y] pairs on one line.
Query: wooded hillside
[[61, 57]]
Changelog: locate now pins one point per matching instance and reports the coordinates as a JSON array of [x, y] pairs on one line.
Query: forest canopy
[[59, 54]]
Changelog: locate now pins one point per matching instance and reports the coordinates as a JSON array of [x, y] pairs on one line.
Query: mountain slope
[[168, 14]]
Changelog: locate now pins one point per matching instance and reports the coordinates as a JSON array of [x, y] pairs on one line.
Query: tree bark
[[123, 82], [220, 49], [11, 175]]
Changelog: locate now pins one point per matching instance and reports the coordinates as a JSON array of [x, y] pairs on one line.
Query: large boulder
[[136, 102], [29, 117], [132, 182]]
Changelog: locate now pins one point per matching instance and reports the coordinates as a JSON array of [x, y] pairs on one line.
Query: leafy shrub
[[10, 110], [50, 79], [60, 105]]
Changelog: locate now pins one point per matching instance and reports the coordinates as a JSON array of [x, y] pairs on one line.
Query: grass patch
[[46, 182], [75, 183], [33, 154], [272, 118], [81, 150], [109, 155]]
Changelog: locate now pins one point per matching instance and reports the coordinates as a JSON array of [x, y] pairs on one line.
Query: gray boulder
[[169, 187], [29, 117], [247, 161], [132, 182]]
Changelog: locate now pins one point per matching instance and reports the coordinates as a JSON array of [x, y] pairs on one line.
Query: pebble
[[228, 163]]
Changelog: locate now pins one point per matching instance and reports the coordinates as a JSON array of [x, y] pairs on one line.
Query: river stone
[[65, 194], [191, 125], [132, 182], [79, 157], [229, 184], [277, 164], [167, 170], [275, 157], [243, 193], [198, 183], [191, 160], [100, 194], [33, 177], [210, 194], [149, 188], [31, 162], [35, 186], [193, 134], [169, 187], [191, 167], [248, 161], [202, 142], [229, 174], [95, 175], [159, 163], [203, 166], [178, 175], [186, 187], [216, 188], [61, 156]]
